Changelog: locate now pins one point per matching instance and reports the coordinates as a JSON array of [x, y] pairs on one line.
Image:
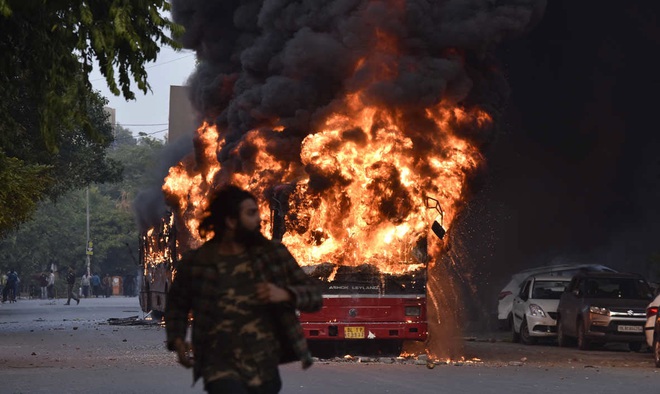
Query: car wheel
[[515, 337], [583, 342], [525, 336], [656, 352], [504, 324], [635, 346], [562, 339]]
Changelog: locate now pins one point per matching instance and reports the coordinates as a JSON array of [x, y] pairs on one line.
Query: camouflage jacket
[[195, 289]]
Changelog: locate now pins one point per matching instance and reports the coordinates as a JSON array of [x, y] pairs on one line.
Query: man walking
[[95, 281], [84, 283], [71, 281], [243, 291]]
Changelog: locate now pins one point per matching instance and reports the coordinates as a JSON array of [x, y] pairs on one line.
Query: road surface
[[47, 347]]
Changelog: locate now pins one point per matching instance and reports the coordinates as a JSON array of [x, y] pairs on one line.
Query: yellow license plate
[[354, 332]]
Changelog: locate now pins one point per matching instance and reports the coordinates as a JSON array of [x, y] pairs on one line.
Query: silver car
[[509, 292], [534, 310]]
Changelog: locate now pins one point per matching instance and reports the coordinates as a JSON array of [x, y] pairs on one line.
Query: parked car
[[651, 315], [656, 341], [535, 308], [509, 292], [601, 307]]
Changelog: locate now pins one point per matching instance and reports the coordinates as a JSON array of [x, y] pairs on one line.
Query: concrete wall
[[112, 116], [182, 116]]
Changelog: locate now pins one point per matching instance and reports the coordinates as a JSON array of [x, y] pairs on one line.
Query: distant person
[[3, 282], [10, 291], [107, 285], [70, 282], [43, 284], [127, 284], [51, 285], [243, 291], [84, 282], [95, 282]]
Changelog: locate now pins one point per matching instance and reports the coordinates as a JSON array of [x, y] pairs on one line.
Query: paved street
[[48, 347]]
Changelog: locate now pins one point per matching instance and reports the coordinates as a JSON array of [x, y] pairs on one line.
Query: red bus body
[[347, 317], [358, 302]]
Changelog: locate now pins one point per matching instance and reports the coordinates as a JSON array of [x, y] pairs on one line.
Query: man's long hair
[[225, 203]]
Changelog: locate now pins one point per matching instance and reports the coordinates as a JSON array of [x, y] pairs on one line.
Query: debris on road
[[132, 321]]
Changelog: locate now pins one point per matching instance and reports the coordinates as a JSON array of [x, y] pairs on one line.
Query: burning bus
[[358, 125], [370, 300], [368, 243]]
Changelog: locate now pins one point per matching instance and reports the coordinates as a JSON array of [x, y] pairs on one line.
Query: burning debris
[[346, 117]]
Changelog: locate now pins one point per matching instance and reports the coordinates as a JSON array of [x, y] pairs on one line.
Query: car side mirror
[[438, 230]]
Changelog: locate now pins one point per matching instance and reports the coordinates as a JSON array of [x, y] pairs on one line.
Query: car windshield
[[548, 289], [617, 288]]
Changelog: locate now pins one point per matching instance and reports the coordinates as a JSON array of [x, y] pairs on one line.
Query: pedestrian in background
[[3, 282], [84, 282], [10, 291], [95, 281], [43, 284], [243, 291], [71, 281], [107, 285]]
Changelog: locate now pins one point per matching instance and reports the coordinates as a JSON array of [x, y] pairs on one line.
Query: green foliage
[[49, 48], [57, 234], [22, 186], [79, 161], [52, 126]]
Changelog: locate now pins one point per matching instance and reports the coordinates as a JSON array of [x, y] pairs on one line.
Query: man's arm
[[306, 293]]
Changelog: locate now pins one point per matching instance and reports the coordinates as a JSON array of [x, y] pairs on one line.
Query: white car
[[508, 293], [535, 307], [651, 313]]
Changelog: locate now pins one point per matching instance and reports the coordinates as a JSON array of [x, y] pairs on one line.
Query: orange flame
[[377, 214]]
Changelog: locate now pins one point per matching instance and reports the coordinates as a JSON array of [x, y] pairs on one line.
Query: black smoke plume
[[291, 63]]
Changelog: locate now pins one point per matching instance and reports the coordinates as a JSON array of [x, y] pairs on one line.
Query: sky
[[148, 113]]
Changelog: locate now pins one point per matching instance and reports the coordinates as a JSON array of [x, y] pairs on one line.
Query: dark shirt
[[71, 277], [12, 278]]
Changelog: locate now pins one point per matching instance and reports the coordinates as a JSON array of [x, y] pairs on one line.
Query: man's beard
[[249, 237]]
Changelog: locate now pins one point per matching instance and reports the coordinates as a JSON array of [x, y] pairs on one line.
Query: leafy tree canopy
[[22, 186], [57, 233], [53, 130], [34, 172], [49, 48]]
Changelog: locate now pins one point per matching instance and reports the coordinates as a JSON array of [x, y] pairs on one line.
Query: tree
[[52, 126], [57, 233], [37, 172], [22, 186], [49, 48]]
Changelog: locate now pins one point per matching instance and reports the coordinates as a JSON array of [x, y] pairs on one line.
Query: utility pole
[[88, 247]]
